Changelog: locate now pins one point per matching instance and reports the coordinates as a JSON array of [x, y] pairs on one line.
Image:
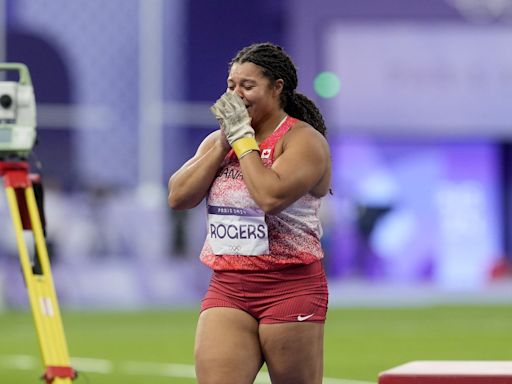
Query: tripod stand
[[25, 215]]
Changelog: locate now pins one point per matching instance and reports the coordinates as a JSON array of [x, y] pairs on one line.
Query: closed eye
[[245, 87], [245, 84]]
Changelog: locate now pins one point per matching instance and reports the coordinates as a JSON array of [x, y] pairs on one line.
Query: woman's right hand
[[222, 140]]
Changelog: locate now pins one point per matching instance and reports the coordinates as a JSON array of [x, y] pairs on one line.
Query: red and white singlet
[[240, 236]]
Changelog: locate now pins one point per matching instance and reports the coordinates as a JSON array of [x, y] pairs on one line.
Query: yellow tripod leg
[[41, 292]]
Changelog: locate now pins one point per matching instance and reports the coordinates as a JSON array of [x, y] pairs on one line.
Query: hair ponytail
[[301, 107]]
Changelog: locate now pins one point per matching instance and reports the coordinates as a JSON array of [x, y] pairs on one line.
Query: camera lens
[[5, 101]]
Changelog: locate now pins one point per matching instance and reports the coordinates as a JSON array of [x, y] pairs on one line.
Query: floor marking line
[[87, 364], [104, 366]]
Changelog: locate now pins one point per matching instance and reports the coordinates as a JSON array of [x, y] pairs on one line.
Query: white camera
[[17, 114]]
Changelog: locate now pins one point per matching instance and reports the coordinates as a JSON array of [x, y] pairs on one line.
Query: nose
[[239, 91]]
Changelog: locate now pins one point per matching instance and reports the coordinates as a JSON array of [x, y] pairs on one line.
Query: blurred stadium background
[[417, 98]]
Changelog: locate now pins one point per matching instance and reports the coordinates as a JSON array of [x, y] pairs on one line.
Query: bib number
[[237, 231]]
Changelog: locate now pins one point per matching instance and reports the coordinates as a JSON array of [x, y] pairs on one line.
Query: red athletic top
[[242, 237]]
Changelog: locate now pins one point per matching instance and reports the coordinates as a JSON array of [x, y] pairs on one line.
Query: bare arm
[[303, 166], [189, 184]]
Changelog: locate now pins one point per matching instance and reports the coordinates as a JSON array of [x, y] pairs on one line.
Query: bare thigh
[[227, 348], [293, 352]]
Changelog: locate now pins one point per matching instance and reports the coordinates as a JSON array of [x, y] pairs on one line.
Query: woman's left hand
[[232, 115]]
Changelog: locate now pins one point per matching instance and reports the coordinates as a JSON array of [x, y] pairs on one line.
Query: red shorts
[[294, 294]]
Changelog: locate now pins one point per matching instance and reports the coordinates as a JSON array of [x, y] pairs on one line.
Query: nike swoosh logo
[[302, 318]]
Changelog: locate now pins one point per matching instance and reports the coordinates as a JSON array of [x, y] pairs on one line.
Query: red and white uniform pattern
[[293, 234]]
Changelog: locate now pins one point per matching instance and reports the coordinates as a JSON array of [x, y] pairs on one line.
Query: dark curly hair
[[277, 64]]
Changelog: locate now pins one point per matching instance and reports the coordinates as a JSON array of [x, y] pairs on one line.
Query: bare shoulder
[[305, 141], [303, 134]]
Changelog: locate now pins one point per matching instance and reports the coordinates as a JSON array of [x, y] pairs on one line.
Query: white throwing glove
[[235, 122]]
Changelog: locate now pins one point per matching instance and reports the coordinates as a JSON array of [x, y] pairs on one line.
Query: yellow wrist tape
[[245, 154], [245, 144]]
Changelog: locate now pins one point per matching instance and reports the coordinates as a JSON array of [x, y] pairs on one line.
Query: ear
[[278, 87]]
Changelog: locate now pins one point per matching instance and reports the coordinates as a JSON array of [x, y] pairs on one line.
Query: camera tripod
[[25, 215]]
